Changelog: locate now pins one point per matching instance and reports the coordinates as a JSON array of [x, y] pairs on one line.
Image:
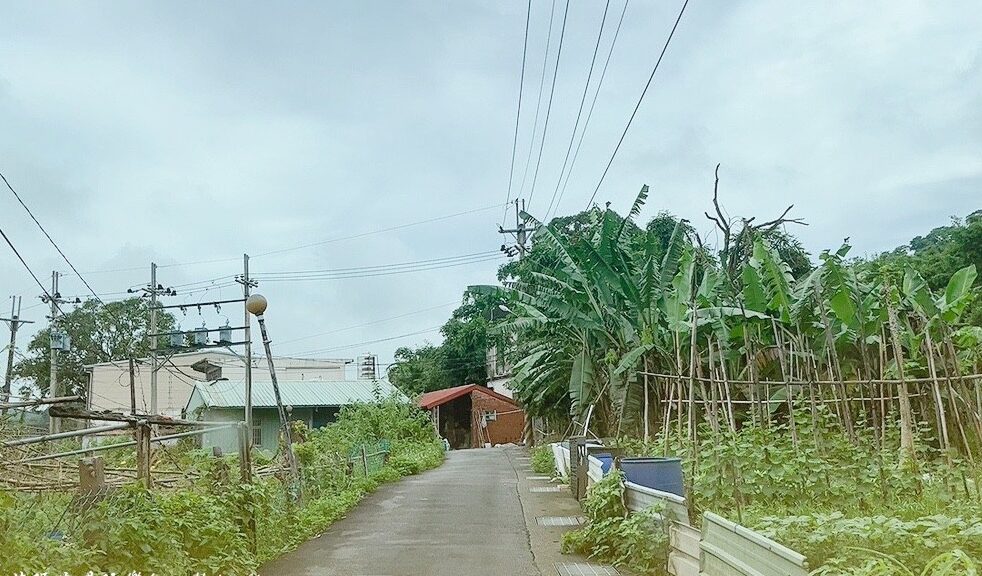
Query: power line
[[309, 245], [385, 272], [54, 298], [538, 99], [382, 266], [372, 323], [367, 342], [579, 111], [368, 272], [589, 116], [48, 236], [381, 230], [28, 268], [638, 105], [518, 115], [552, 92]]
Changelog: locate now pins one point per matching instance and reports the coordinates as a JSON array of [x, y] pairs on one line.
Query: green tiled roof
[[296, 393]]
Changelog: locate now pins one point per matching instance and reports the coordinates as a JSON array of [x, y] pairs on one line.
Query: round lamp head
[[256, 304]]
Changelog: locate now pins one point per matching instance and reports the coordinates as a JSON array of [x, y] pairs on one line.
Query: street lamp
[[256, 304]]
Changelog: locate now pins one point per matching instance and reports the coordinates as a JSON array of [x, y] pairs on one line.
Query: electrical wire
[[579, 111], [28, 268], [593, 104], [552, 92], [381, 270], [48, 236], [381, 230], [387, 273], [518, 115], [359, 344], [538, 100], [372, 323], [309, 245], [638, 105], [63, 256], [382, 266]]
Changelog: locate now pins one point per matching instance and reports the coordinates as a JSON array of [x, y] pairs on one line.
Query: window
[[490, 415], [257, 434]]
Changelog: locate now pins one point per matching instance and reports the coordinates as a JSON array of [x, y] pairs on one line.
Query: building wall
[[265, 423], [506, 427], [109, 383], [501, 385]]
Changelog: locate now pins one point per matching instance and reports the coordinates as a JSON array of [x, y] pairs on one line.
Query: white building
[[499, 372], [109, 382]]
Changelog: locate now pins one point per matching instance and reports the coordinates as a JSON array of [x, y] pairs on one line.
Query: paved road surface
[[462, 519]]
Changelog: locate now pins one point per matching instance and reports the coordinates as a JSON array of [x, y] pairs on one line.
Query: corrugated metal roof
[[227, 394], [438, 397]]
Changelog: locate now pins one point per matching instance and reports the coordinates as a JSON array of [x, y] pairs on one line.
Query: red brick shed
[[474, 415]]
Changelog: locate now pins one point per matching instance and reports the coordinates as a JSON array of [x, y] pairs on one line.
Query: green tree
[[418, 370], [939, 254], [100, 333], [459, 360]]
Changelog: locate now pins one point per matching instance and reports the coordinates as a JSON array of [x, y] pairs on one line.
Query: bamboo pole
[[906, 416], [726, 388]]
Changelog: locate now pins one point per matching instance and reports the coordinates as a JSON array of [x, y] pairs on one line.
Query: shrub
[[636, 541], [200, 528], [543, 461]]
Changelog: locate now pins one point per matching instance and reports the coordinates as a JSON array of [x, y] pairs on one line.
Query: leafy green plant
[[201, 528], [953, 563], [636, 541], [543, 461]]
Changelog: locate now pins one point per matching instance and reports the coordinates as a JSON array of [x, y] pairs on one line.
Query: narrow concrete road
[[464, 518]]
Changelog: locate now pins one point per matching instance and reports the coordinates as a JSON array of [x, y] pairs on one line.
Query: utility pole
[[153, 339], [13, 323], [520, 233], [55, 300], [247, 285], [153, 290]]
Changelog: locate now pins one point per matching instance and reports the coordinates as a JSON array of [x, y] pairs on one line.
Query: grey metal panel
[[595, 472], [561, 455], [729, 549], [638, 498], [580, 569], [684, 550]]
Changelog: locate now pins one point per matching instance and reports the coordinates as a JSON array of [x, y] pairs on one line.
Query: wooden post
[[143, 454], [245, 460], [132, 388], [245, 469], [364, 459], [91, 476]]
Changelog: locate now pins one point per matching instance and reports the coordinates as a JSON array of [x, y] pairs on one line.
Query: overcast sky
[[188, 131]]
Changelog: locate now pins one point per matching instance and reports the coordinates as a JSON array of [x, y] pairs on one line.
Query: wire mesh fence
[[368, 459]]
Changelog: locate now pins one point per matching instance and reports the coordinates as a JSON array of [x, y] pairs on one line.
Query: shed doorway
[[455, 422]]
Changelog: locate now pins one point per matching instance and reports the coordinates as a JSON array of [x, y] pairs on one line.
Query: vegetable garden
[[836, 407]]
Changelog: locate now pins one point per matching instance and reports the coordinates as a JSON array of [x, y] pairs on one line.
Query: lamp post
[[256, 305]]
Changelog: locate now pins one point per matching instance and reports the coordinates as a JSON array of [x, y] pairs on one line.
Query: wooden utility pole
[[132, 389], [14, 322]]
